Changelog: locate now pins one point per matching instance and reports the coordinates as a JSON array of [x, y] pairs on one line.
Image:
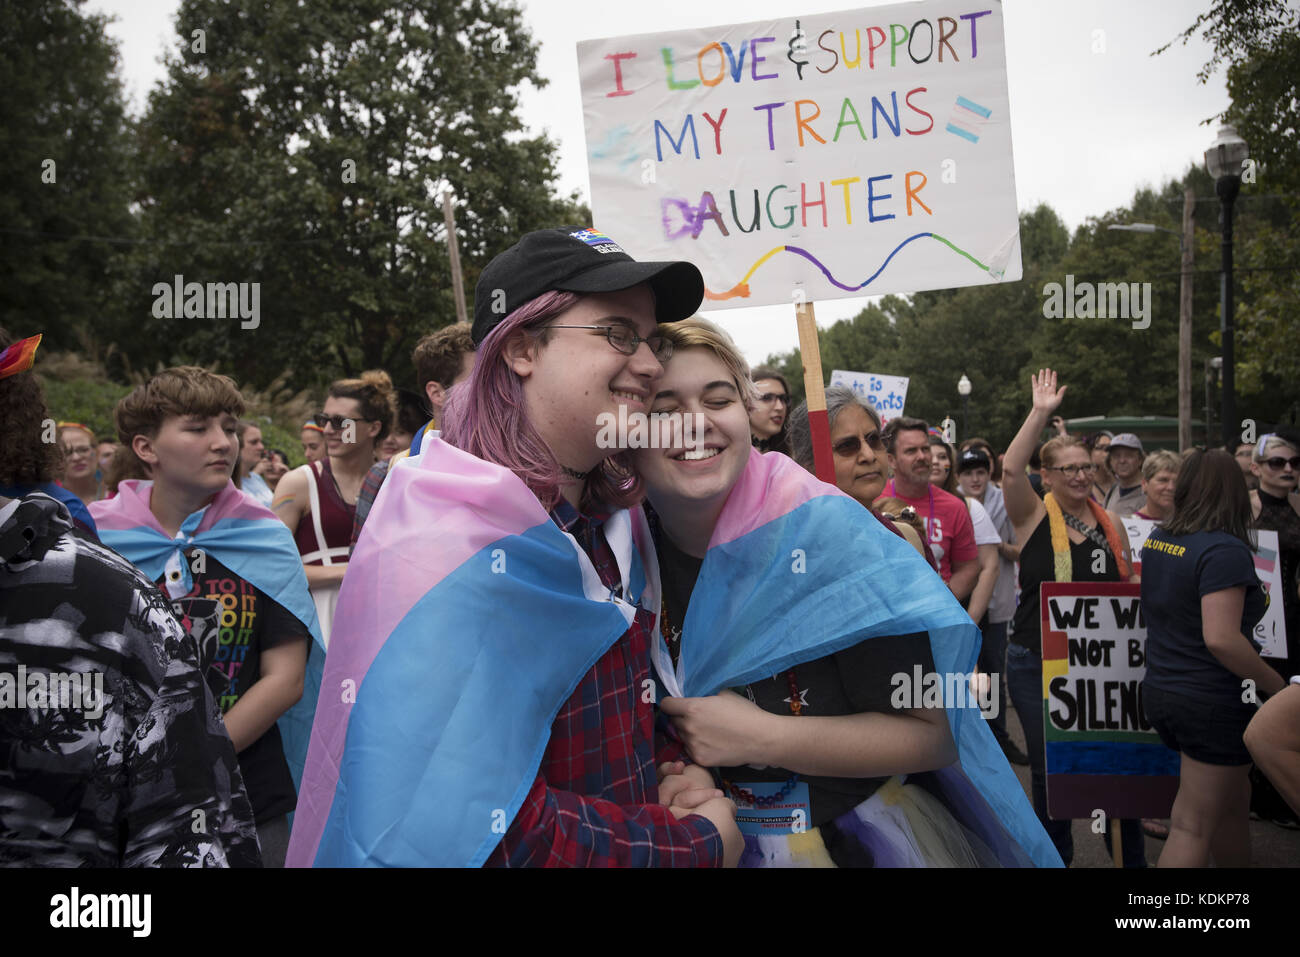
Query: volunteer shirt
[[1176, 573], [949, 531], [233, 623]]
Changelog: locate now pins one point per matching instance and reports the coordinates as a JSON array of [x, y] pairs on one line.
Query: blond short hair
[[1161, 460], [697, 333]]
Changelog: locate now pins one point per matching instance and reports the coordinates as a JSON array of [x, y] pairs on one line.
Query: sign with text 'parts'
[[886, 393], [1101, 753], [817, 156]]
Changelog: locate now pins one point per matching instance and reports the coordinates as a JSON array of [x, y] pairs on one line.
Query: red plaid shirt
[[594, 801]]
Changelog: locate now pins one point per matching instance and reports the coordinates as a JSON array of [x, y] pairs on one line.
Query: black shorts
[[1205, 731]]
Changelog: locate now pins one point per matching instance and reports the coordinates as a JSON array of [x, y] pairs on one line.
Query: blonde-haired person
[[318, 501], [1159, 476], [1066, 536], [822, 734]]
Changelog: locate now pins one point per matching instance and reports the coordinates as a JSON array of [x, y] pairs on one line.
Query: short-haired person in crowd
[[274, 467], [229, 569], [313, 442], [973, 468], [769, 419], [1245, 456], [824, 732], [1098, 446], [1065, 536], [1201, 599], [1124, 458], [252, 452], [442, 359], [117, 774], [518, 699], [975, 442], [861, 468], [1275, 505], [949, 533], [81, 475], [1159, 476], [987, 539], [318, 501]]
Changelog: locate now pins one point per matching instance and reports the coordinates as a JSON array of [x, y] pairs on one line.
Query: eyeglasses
[[1277, 463], [340, 422], [79, 450], [770, 397], [1070, 471], [851, 445], [627, 342]]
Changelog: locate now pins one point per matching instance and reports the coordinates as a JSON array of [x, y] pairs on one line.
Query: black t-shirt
[[1176, 572], [1038, 565], [851, 681], [233, 623]]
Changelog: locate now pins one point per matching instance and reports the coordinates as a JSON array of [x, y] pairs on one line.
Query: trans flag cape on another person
[[754, 614], [465, 621], [249, 540]]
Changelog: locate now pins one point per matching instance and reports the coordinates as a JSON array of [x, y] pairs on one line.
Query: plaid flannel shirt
[[593, 803]]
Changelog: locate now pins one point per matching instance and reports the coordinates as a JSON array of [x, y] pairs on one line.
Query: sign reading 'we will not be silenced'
[[823, 156]]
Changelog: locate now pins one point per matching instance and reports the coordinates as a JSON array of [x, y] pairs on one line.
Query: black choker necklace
[[573, 473]]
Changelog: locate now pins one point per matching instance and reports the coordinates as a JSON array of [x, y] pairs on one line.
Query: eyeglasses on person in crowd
[[339, 422], [627, 342], [77, 450], [1277, 463], [850, 445], [1070, 471], [770, 397]]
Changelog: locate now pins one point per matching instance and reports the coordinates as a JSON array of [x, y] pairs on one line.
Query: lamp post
[[963, 390], [1185, 247], [1224, 160]]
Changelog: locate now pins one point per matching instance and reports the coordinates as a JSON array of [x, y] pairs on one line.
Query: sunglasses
[[627, 342], [907, 514], [852, 444], [1277, 463], [339, 422]]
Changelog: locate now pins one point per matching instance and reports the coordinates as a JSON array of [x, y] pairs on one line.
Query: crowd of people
[[542, 650]]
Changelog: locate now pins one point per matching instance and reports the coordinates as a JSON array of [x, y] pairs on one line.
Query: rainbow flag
[[249, 540], [438, 704], [438, 707], [19, 356]]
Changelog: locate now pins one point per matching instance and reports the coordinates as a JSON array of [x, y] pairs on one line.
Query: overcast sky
[[1088, 128]]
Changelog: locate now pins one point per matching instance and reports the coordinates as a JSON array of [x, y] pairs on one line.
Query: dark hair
[[781, 441], [411, 414], [1211, 496], [374, 393], [1036, 457], [279, 452], [950, 483], [995, 466], [902, 423], [24, 458]]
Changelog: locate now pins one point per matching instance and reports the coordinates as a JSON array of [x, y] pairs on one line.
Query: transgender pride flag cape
[[465, 621], [249, 540], [796, 570]]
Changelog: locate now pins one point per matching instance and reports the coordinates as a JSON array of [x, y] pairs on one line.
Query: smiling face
[[697, 381], [577, 377], [191, 454], [859, 471], [940, 466], [1071, 491], [1125, 464], [769, 414]]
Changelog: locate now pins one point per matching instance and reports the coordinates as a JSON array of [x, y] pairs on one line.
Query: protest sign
[[886, 393], [811, 157], [1139, 529], [1271, 630], [1101, 752]]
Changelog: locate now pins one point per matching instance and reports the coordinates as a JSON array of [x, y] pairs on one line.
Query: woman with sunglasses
[[829, 764], [769, 419], [318, 501], [1067, 537], [1275, 505]]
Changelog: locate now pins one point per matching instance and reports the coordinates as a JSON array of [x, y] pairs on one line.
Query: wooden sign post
[[818, 423]]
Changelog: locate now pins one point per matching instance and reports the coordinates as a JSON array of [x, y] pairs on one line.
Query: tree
[[64, 208], [306, 147]]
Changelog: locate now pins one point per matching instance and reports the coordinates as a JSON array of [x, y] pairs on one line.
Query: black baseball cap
[[973, 459], [578, 259]]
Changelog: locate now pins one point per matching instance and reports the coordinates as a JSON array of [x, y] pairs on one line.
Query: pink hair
[[487, 416]]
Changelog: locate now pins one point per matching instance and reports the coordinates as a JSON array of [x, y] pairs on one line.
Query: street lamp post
[[963, 390], [1224, 161]]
